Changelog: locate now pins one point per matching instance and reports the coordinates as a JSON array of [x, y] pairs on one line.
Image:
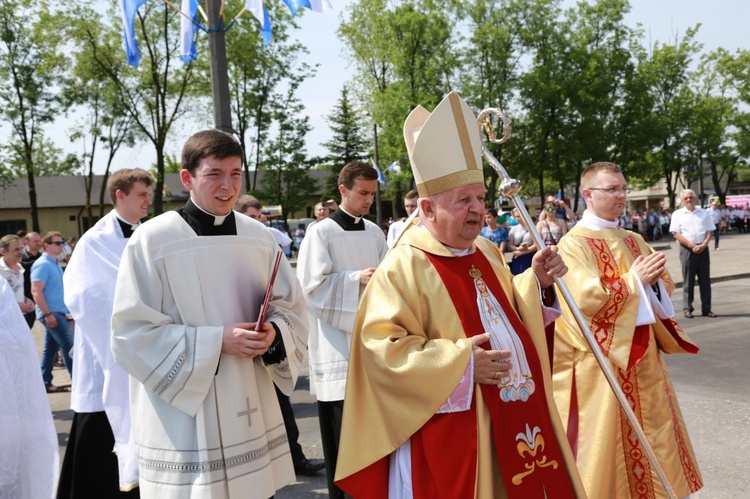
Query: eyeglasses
[[549, 208], [613, 190], [59, 243]]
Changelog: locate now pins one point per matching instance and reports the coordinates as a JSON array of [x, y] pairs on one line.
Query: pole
[[378, 210], [219, 78], [510, 187]]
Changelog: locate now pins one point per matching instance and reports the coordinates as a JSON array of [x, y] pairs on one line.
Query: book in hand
[[269, 292]]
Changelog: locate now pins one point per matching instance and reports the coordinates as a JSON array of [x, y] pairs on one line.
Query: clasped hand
[[241, 340], [649, 268]]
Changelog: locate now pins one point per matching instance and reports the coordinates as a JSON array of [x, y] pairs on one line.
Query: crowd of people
[[438, 369]]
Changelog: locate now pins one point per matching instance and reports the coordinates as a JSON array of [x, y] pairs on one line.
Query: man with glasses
[[47, 289], [692, 227], [623, 290]]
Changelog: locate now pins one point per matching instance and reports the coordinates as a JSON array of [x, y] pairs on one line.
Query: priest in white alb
[[206, 421], [100, 458]]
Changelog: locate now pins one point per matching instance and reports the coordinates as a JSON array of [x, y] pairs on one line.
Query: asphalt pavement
[[711, 386]]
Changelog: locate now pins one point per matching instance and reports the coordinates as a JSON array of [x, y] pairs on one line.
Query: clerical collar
[[346, 220], [127, 227], [204, 223], [591, 221]]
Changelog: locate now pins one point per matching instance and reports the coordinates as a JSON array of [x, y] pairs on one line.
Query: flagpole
[[378, 210], [219, 78]]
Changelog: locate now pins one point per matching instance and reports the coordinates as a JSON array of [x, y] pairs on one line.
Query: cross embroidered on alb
[[248, 412]]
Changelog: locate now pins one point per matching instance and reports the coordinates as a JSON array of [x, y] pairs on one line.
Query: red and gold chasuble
[[527, 450]]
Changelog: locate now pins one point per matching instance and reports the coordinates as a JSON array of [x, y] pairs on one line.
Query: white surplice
[[328, 267], [205, 424], [29, 459], [99, 384]]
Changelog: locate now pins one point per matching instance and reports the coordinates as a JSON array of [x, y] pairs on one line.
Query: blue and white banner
[[258, 10], [188, 27], [394, 167], [128, 9], [295, 5], [381, 175]]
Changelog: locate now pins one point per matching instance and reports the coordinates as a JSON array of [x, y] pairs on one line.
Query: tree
[[30, 68], [286, 180], [105, 121], [154, 94], [255, 75], [668, 76], [492, 62], [348, 141], [406, 53]]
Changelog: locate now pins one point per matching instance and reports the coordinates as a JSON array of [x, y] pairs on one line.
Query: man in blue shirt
[[47, 289], [495, 231]]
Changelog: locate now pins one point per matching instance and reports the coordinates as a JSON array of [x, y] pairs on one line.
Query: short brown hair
[[123, 180], [207, 143], [412, 194], [354, 170], [47, 239], [6, 240], [247, 201], [594, 168]]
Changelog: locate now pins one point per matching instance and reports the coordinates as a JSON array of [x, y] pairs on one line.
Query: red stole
[[526, 446], [444, 450]]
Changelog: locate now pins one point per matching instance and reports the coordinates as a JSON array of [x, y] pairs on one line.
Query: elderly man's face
[[456, 217], [321, 212], [688, 200]]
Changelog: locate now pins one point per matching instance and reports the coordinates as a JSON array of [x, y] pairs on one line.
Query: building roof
[[69, 190]]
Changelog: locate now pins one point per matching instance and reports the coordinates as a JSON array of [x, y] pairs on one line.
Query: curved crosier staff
[[510, 187]]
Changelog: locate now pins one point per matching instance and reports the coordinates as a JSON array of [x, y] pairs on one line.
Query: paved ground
[[711, 386]]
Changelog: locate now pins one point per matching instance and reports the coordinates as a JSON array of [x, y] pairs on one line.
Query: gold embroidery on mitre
[[448, 182], [463, 133], [475, 273], [531, 443]]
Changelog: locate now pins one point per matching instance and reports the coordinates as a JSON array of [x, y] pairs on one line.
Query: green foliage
[[259, 79], [348, 141], [31, 64], [286, 180]]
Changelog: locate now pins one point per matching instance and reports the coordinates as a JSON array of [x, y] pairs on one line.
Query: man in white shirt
[[334, 265], [11, 250], [410, 205], [692, 226], [100, 459]]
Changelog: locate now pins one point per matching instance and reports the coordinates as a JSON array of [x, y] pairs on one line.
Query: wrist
[[47, 314]]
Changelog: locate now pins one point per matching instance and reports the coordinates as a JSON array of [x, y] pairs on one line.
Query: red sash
[[526, 446]]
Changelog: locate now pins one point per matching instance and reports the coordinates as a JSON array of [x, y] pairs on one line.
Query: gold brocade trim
[[637, 466], [531, 443], [463, 133], [603, 323], [450, 181]]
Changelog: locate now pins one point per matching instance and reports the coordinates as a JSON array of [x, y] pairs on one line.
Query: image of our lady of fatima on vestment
[[517, 384]]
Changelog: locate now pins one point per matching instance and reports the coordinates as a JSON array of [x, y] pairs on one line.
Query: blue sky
[[723, 25]]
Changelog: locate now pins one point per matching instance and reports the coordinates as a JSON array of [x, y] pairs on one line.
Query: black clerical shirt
[[346, 221]]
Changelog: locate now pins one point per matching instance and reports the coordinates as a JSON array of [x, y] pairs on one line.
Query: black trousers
[[329, 415], [290, 425], [695, 265], [89, 468]]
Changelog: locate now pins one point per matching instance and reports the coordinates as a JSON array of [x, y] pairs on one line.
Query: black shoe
[[309, 467], [688, 314], [709, 314]]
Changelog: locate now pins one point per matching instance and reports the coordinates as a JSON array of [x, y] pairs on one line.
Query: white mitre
[[445, 146]]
